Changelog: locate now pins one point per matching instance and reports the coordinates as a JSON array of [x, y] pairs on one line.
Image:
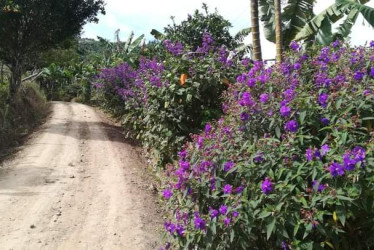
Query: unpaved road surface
[[76, 184]]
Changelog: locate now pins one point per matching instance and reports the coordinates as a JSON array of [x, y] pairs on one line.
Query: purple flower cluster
[[351, 159], [176, 48], [318, 186], [267, 186], [312, 154]]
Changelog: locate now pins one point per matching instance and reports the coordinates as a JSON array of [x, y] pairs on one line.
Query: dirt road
[[76, 184]]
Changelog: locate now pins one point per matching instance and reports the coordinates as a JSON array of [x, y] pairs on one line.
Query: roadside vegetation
[[249, 154], [17, 119]]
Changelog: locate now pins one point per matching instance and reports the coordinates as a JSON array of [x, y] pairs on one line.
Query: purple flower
[[259, 157], [309, 154], [213, 213], [199, 223], [322, 99], [325, 121], [174, 48], [227, 189], [251, 82], [317, 154], [336, 43], [265, 97], [325, 149], [167, 193], [223, 209], [182, 154], [297, 66], [358, 75], [228, 165], [317, 186], [372, 72], [372, 44], [246, 100], [208, 128], [359, 153], [185, 165], [349, 163], [239, 189], [244, 116], [285, 111], [213, 184], [336, 169], [180, 230], [294, 45], [227, 221], [170, 227], [235, 214], [284, 246], [267, 186], [200, 142], [292, 126]]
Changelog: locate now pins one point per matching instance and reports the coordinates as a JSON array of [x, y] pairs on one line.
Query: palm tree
[[296, 13], [278, 30], [257, 55]]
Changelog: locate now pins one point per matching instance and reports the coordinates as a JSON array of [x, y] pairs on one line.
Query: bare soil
[[77, 184]]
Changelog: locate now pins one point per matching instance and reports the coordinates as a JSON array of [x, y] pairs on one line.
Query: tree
[[190, 31], [278, 30], [295, 14], [30, 27], [257, 54]]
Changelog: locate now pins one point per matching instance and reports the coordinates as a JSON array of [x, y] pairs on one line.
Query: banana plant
[[320, 27], [300, 23], [295, 14]]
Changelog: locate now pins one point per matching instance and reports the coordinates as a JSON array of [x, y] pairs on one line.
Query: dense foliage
[[31, 27], [289, 165], [163, 102], [19, 117], [190, 32]]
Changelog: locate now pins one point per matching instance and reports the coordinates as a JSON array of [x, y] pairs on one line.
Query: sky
[[144, 15]]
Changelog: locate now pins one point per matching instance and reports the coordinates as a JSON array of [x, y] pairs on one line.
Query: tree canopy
[[191, 31], [29, 27]]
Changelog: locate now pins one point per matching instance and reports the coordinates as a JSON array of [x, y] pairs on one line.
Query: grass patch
[[20, 116]]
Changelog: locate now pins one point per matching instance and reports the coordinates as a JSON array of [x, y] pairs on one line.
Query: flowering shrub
[[290, 164], [163, 102]]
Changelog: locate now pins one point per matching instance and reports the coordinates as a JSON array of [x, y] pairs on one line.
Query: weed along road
[[76, 184]]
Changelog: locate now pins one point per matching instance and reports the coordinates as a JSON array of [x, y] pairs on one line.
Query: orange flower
[[183, 79]]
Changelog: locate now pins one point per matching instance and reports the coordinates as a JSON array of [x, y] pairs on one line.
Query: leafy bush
[[163, 102], [190, 32], [290, 165]]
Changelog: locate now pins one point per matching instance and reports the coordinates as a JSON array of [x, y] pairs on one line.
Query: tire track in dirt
[[76, 185]]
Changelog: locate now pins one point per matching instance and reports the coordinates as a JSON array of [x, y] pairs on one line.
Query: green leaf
[[277, 132], [344, 198], [308, 229], [341, 214], [189, 98], [296, 229], [264, 214], [302, 117], [270, 227]]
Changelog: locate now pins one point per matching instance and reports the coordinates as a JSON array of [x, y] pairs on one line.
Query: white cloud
[[143, 16]]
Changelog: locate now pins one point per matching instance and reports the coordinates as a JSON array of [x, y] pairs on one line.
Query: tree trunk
[[16, 77], [257, 55], [2, 73], [278, 30]]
